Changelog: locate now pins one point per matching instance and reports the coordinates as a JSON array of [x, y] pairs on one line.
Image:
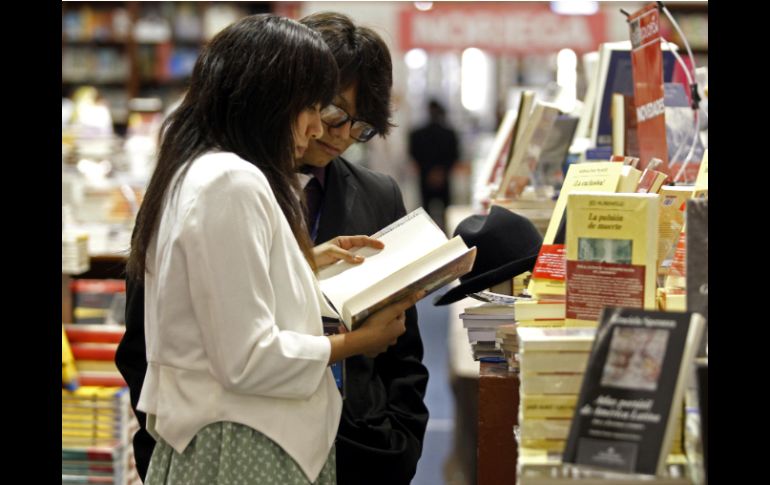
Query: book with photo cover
[[625, 417], [417, 256], [611, 243]]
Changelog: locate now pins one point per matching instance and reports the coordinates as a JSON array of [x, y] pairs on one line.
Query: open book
[[417, 256]]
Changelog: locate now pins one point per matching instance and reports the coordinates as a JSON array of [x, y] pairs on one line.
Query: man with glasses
[[384, 417]]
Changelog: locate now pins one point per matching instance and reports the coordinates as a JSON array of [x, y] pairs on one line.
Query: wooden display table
[[498, 414]]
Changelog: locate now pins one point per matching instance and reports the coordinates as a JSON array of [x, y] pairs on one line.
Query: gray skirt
[[227, 453]]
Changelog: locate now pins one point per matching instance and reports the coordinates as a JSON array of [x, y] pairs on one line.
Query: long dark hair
[[247, 88], [363, 58]]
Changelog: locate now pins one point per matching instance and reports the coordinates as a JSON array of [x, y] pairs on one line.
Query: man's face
[[334, 141]]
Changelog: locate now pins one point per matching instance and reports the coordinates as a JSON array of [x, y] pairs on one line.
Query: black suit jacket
[[384, 417]]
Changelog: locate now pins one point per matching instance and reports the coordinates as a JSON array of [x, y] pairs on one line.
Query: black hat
[[507, 245]]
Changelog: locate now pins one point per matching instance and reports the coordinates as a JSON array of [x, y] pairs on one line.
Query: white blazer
[[233, 318]]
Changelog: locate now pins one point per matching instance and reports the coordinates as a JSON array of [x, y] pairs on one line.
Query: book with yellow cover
[[612, 244], [670, 222], [629, 179], [552, 361], [69, 373], [547, 429], [676, 271], [548, 274], [541, 406], [702, 180]]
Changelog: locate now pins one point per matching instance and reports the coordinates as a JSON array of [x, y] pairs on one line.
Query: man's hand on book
[[336, 249], [380, 330], [386, 325]]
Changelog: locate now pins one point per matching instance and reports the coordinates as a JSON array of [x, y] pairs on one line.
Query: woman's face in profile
[[306, 127]]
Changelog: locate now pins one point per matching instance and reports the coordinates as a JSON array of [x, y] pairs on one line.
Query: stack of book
[[507, 341], [94, 347], [552, 362], [676, 273], [97, 425], [492, 326], [482, 322], [98, 301]]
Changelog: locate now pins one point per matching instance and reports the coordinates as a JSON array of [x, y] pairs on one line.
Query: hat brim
[[485, 280]]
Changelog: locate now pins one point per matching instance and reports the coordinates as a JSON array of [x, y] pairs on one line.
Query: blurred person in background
[[434, 148]]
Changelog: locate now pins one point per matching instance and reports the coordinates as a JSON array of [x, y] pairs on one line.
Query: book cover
[[495, 162], [681, 129], [702, 179], [630, 138], [417, 256], [697, 258], [625, 416], [550, 167], [652, 179], [85, 365], [556, 339], [548, 274], [94, 351], [539, 406], [629, 179], [526, 152], [526, 101], [69, 372], [99, 333], [611, 253], [551, 383], [553, 429], [616, 76], [673, 199], [553, 360], [97, 378]]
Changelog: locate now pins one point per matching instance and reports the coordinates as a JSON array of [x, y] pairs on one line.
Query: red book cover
[[93, 351], [551, 262], [101, 379], [79, 332], [647, 69]]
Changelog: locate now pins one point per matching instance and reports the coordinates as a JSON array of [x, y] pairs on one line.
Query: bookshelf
[[139, 49]]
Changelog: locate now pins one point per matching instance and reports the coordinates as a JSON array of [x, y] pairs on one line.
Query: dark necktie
[[313, 193]]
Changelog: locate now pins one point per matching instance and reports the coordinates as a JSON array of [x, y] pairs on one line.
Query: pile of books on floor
[[97, 426]]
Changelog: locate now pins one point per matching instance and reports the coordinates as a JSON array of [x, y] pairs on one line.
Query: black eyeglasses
[[360, 130]]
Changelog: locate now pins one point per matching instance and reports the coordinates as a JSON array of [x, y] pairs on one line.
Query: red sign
[[647, 68], [500, 28]]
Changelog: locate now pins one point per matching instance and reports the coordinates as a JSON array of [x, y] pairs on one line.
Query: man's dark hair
[[247, 89], [436, 111], [363, 58]]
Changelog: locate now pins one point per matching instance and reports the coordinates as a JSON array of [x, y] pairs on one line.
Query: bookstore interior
[[569, 248]]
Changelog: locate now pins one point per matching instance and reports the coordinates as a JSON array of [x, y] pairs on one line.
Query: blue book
[[618, 78]]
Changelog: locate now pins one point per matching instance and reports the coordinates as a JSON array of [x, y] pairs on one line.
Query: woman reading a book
[[237, 386]]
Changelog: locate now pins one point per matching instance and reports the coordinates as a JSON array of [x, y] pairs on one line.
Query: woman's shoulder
[[225, 168]]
